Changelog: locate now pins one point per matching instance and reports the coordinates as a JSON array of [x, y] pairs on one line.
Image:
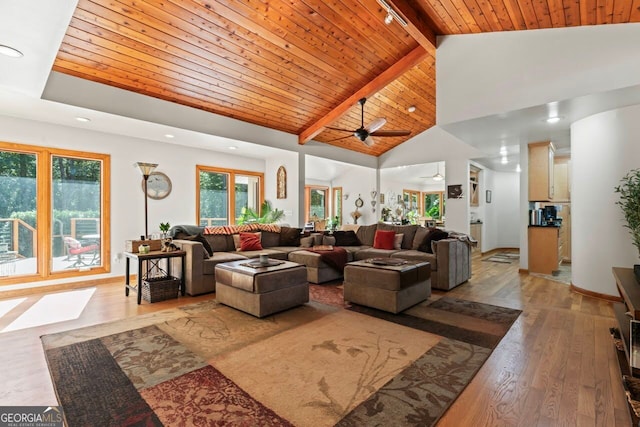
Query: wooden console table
[[151, 260], [629, 309]]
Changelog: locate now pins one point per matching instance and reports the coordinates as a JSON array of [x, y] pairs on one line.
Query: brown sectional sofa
[[450, 261]]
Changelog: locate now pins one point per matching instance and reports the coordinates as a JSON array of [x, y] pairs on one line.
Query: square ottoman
[[391, 288], [259, 290]]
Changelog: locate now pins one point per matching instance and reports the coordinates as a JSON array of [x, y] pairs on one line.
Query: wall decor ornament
[[359, 202], [454, 191], [281, 178], [488, 196]]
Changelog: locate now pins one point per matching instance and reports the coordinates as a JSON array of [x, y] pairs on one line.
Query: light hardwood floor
[[555, 367]]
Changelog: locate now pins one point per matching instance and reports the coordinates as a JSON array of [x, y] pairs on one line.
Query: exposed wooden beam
[[412, 59], [419, 25]]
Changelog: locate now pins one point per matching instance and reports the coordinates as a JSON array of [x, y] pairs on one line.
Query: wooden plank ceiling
[[298, 65]]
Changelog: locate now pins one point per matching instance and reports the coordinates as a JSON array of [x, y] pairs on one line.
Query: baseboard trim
[[499, 250], [523, 271], [592, 294]]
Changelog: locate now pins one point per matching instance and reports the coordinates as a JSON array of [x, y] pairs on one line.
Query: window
[[434, 204], [219, 203], [412, 200], [316, 205], [53, 206]]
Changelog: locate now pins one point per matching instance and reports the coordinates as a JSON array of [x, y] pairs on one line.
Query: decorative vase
[[636, 271]]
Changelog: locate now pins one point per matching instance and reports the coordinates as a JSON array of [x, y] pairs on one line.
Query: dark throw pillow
[[290, 236], [200, 238], [434, 235], [346, 238]]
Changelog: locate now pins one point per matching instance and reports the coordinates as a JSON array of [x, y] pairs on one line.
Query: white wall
[[127, 198], [491, 73], [290, 204], [457, 210], [358, 180], [504, 211], [604, 147]]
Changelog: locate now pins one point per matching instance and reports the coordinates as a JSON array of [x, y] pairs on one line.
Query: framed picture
[[454, 191], [382, 199], [281, 180], [488, 196]]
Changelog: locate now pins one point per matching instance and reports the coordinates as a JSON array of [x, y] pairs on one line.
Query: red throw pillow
[[250, 242], [384, 239]]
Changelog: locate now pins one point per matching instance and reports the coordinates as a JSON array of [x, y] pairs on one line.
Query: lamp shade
[[147, 168]]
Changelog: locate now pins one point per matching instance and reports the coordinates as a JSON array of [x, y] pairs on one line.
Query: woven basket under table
[[156, 289]]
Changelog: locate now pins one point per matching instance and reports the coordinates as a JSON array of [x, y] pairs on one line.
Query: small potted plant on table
[[629, 190]]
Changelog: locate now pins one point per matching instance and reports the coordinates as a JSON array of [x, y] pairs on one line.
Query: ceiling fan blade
[[391, 133], [376, 124], [369, 141]]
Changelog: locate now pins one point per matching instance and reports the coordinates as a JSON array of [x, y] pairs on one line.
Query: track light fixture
[[391, 14]]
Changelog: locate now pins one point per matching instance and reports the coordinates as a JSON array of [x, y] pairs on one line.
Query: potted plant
[[164, 227], [629, 190], [267, 215]]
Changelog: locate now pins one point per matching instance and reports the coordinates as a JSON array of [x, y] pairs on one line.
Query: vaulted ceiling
[[299, 66]]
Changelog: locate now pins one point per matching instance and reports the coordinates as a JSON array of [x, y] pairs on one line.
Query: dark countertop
[[475, 222], [544, 226]]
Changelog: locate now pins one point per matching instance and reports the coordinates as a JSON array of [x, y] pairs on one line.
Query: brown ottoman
[[391, 288], [261, 291]]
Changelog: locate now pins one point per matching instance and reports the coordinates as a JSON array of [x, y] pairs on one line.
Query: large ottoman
[[391, 288], [261, 291]]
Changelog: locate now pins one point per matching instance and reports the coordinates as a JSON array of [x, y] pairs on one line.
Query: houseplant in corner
[[629, 190]]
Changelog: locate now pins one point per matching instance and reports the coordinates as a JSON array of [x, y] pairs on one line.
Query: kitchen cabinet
[[476, 234], [561, 179], [541, 171], [545, 247]]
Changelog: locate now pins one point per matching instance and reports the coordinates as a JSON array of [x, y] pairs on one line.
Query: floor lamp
[[146, 169]]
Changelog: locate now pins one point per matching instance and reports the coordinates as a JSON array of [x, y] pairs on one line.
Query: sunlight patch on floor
[[7, 306], [53, 308]]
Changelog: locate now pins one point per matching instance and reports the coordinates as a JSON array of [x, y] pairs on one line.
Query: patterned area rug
[[314, 365]]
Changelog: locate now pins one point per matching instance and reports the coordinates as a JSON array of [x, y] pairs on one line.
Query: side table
[[152, 259]]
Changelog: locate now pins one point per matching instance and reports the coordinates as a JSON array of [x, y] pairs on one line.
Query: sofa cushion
[[346, 238], [433, 236], [409, 232], [269, 239], [270, 252], [312, 259], [374, 253], [220, 242], [250, 242], [397, 241], [236, 240], [418, 238], [328, 240], [200, 238], [366, 234], [411, 255], [217, 258], [289, 236], [384, 239]]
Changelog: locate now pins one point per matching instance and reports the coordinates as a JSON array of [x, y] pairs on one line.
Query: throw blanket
[[235, 229], [336, 258]]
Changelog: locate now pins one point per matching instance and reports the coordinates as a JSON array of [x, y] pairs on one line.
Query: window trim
[[441, 200], [44, 202], [307, 201], [231, 198]]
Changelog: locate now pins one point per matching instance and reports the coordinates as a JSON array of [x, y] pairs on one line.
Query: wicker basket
[[157, 289]]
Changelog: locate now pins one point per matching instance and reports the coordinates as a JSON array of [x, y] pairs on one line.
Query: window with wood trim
[[316, 200], [433, 204], [412, 200], [223, 193], [54, 213]]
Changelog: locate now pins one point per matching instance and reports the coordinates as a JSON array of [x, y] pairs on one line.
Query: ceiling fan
[[437, 176], [364, 134]]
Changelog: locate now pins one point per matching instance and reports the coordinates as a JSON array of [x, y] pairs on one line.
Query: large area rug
[[315, 365]]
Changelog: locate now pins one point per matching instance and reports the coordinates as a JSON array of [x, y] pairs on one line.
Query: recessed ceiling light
[[518, 168], [503, 151], [554, 119], [411, 109], [504, 160], [232, 147], [169, 136], [83, 119], [10, 51]]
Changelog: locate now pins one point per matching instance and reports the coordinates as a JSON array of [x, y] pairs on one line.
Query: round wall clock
[[158, 186], [359, 202]]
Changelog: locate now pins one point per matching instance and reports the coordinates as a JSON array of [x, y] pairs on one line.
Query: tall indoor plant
[[629, 191]]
